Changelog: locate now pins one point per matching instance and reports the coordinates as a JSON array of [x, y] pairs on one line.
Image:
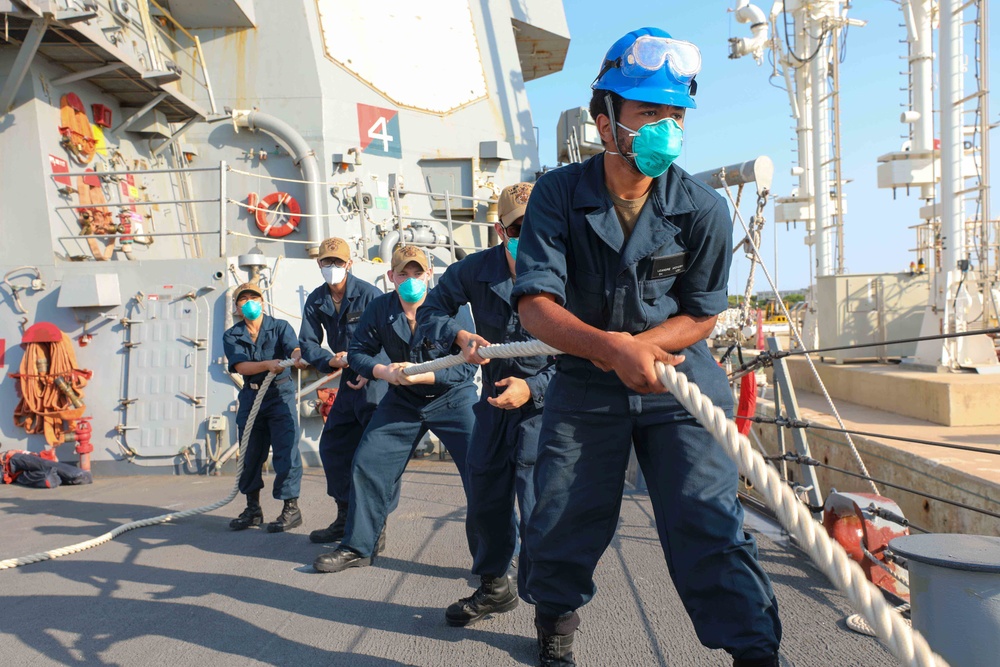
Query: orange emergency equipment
[[747, 407], [269, 205], [50, 386]]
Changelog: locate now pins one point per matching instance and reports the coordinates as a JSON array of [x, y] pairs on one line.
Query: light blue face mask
[[655, 146], [251, 309], [412, 290], [512, 248]]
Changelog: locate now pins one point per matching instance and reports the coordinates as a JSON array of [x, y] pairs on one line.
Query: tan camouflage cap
[[247, 287], [334, 247], [408, 253], [512, 202]]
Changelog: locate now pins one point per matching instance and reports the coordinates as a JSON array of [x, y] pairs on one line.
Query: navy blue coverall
[[403, 417], [353, 408], [676, 260], [502, 456], [275, 426]]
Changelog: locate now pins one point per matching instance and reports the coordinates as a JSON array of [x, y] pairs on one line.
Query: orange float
[[269, 205]]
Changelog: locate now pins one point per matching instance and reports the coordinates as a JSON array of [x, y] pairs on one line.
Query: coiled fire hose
[[11, 563], [907, 645]]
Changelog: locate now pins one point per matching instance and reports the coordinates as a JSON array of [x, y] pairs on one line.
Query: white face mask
[[334, 275]]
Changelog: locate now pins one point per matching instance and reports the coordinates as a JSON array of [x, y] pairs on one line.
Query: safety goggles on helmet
[[648, 54]]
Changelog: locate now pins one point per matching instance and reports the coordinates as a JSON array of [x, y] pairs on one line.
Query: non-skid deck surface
[[194, 593]]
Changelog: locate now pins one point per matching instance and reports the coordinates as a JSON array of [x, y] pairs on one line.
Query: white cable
[[909, 647], [343, 184], [281, 239], [285, 213], [11, 563], [795, 330]]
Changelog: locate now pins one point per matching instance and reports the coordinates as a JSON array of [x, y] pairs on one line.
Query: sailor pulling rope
[[908, 646]]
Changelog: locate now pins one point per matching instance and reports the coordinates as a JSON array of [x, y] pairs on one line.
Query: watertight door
[[166, 360]]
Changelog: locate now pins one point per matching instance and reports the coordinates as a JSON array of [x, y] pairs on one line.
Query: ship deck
[[192, 592]]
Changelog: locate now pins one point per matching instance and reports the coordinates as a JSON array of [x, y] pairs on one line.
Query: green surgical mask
[[655, 146]]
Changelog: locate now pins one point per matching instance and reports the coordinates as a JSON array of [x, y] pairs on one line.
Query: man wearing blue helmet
[[624, 262]]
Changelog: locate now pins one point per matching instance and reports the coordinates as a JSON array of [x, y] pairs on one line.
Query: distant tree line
[[759, 300]]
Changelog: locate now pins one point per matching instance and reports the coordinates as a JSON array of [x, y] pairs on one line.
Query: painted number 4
[[380, 131]]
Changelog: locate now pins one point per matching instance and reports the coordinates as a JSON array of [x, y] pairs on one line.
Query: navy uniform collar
[[494, 270], [244, 332], [668, 192], [668, 197], [397, 318], [350, 293]]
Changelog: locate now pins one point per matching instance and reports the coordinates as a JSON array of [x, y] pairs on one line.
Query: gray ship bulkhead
[[155, 342]]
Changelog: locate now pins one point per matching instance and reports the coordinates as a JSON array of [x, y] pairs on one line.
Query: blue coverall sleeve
[[436, 316], [232, 351], [311, 335], [541, 251], [287, 341], [703, 288], [366, 343], [461, 373], [539, 382]]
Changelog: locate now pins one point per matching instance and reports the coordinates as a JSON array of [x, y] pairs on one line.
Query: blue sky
[[740, 116]]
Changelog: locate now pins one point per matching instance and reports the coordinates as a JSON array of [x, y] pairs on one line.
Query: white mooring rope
[[907, 645], [11, 563]]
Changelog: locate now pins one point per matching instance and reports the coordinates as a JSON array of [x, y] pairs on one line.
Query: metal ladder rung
[[973, 96]]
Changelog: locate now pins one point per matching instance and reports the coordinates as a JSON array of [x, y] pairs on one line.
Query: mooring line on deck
[[907, 645], [11, 563]]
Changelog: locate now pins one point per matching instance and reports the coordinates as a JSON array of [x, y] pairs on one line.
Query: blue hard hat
[[669, 81]]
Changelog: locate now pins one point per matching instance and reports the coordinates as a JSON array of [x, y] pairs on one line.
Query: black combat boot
[[251, 516], [494, 596], [555, 639], [341, 559], [335, 531], [289, 518]]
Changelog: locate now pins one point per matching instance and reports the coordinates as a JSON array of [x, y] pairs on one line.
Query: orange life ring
[[748, 403], [275, 199]]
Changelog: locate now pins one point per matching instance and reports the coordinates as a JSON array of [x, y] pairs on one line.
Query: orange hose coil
[[44, 407]]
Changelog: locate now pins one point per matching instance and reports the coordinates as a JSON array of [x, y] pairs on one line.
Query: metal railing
[[124, 207], [448, 220]]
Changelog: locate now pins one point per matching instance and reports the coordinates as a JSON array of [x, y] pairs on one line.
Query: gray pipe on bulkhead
[[387, 246], [419, 235], [304, 158]]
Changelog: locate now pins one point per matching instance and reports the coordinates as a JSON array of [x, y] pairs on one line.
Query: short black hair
[[598, 107]]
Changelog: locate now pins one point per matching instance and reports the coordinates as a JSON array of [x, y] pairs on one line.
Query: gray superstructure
[[376, 103]]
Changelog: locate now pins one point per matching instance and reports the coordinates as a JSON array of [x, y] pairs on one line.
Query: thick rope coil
[[11, 563], [908, 646]]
